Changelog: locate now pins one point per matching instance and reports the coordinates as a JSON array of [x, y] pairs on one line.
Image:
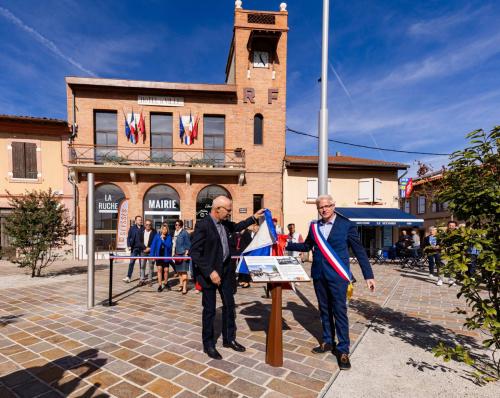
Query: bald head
[[221, 208]]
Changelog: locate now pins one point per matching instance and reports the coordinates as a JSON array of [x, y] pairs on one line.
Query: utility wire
[[366, 146]]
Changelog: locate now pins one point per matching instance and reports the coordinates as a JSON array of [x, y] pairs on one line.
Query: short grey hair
[[220, 201], [324, 197]]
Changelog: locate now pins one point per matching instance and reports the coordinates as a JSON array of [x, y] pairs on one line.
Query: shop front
[[378, 227]]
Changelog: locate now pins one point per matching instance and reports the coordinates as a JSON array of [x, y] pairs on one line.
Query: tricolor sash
[[329, 254]]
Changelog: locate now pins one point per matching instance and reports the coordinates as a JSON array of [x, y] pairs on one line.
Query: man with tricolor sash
[[330, 238]]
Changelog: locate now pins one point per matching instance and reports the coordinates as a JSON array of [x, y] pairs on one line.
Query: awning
[[377, 216]]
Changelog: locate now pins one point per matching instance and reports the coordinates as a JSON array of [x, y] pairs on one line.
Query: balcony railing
[[155, 157]]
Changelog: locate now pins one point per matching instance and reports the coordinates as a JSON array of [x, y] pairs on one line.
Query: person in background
[[242, 241], [135, 245], [181, 246], [162, 247], [433, 252], [278, 228], [415, 242], [148, 234], [294, 237]]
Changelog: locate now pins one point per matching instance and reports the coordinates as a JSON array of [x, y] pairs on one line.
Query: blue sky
[[416, 75]]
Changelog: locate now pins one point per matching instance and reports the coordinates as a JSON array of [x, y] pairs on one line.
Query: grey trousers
[[143, 268]]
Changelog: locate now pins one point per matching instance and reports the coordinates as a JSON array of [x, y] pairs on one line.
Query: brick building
[[238, 151], [424, 204], [33, 151]]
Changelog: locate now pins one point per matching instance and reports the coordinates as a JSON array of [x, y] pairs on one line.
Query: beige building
[[365, 191], [238, 150], [32, 154]]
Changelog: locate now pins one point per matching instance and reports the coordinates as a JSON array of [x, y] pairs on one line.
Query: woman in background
[[162, 247], [181, 247]]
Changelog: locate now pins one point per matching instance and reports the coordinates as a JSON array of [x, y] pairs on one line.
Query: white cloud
[[50, 45], [442, 25], [451, 60]]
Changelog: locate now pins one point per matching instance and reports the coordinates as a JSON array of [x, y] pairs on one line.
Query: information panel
[[275, 269]]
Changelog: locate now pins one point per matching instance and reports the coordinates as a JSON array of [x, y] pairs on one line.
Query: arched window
[[107, 200], [161, 203], [258, 129], [205, 198]]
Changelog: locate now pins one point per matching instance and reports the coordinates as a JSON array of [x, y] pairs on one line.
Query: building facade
[[233, 142], [32, 157], [365, 191], [423, 202]]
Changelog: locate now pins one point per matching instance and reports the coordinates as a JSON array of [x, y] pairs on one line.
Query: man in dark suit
[[134, 244], [329, 285], [147, 235], [210, 252]]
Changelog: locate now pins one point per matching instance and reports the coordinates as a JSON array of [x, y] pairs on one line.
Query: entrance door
[[170, 219]]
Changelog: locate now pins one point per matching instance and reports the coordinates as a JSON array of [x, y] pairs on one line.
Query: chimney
[[337, 153]]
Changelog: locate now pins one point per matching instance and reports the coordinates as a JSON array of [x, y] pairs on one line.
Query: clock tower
[[256, 67]]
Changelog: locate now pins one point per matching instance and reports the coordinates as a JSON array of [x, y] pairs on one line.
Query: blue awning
[[379, 217]]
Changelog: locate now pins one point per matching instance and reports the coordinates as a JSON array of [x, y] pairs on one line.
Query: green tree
[[37, 227], [471, 186]]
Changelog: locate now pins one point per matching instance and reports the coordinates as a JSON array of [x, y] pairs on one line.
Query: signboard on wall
[[107, 204], [156, 100], [122, 225]]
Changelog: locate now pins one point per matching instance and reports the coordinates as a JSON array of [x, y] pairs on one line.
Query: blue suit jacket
[[342, 236], [134, 239]]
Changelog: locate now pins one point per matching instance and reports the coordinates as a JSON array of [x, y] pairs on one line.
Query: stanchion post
[[90, 242], [274, 346], [110, 297]]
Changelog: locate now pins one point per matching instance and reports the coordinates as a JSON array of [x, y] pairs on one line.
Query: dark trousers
[[332, 301], [226, 291], [135, 252], [434, 259]]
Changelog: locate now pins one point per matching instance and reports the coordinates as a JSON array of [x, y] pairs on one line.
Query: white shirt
[[146, 237], [295, 238], [326, 227]]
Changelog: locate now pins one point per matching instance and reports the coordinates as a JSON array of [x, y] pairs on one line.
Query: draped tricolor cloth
[[262, 243]]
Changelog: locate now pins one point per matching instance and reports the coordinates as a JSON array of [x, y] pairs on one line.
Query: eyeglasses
[[148, 225], [177, 225], [325, 207], [225, 208]]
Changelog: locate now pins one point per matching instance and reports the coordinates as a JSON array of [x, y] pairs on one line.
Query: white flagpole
[[323, 112]]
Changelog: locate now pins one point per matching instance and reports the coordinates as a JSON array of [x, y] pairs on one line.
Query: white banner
[[122, 226], [156, 100]]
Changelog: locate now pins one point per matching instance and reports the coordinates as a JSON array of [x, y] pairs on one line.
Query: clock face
[[260, 59]]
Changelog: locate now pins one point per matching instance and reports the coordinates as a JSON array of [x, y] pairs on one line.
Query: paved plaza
[[149, 345]]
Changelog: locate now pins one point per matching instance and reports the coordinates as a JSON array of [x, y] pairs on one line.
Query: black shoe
[[322, 348], [160, 288], [167, 287], [212, 353], [234, 345], [343, 361]]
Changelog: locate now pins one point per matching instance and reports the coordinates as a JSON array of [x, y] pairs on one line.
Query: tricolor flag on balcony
[[188, 129]]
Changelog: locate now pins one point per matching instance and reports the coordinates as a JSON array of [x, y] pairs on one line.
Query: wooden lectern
[[274, 346]]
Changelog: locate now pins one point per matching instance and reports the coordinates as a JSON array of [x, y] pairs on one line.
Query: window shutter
[[18, 164], [30, 156], [377, 190], [312, 188], [365, 190]]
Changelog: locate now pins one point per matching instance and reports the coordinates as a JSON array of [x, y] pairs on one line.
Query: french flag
[[262, 243]]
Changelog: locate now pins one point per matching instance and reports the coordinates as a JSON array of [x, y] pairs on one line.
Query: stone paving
[[149, 345]]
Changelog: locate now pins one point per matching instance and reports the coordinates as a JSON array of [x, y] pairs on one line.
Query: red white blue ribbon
[[329, 254]]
